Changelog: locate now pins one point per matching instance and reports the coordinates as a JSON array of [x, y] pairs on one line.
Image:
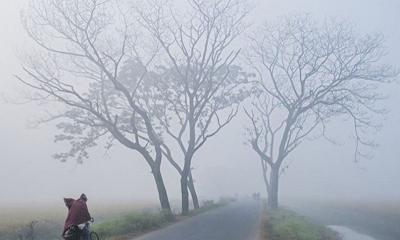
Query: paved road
[[237, 221]]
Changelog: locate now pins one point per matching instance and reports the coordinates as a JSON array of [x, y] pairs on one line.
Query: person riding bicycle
[[78, 216]]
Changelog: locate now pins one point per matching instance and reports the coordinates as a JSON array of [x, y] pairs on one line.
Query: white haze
[[224, 167]]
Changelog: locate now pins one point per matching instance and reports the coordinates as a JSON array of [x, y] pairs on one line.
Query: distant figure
[[78, 216], [256, 196]]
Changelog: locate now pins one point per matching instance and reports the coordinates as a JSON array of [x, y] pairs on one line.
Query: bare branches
[[84, 46], [315, 73], [199, 80], [307, 75]]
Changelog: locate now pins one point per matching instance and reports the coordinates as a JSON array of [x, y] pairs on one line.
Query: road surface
[[237, 221]]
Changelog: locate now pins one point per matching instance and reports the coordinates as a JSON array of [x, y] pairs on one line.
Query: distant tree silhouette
[[308, 74]]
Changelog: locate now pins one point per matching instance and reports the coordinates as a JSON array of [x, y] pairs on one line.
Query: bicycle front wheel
[[94, 236]]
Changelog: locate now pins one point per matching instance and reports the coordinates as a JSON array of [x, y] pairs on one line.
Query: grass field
[[46, 222], [377, 219]]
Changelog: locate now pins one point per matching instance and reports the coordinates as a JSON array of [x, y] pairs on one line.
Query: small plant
[[27, 232]]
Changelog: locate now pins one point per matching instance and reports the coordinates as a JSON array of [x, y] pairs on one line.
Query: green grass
[[283, 224], [134, 223]]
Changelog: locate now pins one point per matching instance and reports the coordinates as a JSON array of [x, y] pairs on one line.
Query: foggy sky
[[224, 166]]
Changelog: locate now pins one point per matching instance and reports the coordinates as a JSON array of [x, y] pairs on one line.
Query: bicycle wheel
[[94, 236]]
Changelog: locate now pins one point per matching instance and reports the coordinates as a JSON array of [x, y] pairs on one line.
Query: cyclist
[[78, 215]]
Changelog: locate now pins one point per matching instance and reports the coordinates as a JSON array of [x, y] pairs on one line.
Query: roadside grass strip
[[283, 224]]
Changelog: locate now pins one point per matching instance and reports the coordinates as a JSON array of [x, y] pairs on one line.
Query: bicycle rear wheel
[[94, 236]]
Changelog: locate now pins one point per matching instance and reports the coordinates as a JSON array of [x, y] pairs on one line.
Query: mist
[[318, 171]]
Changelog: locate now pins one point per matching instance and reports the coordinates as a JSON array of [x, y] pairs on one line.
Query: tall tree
[[308, 74], [84, 46], [202, 92]]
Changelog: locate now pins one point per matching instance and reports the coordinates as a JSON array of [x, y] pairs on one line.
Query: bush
[[33, 230]]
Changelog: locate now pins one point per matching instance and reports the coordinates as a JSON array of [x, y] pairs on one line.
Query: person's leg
[[86, 232]]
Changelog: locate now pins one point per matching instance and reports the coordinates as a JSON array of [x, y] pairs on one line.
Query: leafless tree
[[87, 66], [308, 74], [203, 86]]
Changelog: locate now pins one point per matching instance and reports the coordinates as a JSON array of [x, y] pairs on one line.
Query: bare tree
[[81, 67], [202, 84], [308, 74]]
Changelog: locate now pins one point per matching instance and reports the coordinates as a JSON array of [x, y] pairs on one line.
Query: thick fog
[[225, 166]]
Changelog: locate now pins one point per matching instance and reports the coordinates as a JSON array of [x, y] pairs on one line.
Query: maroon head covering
[[68, 202], [78, 212]]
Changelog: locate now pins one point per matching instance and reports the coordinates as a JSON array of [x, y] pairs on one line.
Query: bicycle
[[75, 233], [93, 236]]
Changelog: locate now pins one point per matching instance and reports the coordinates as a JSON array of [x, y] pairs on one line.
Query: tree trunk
[[265, 176], [185, 179], [185, 194], [162, 192], [193, 193], [191, 187], [273, 189]]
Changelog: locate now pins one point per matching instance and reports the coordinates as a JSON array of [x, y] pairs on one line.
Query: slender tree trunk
[[185, 180], [191, 187], [162, 192], [265, 176], [185, 194], [193, 193], [273, 189]]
